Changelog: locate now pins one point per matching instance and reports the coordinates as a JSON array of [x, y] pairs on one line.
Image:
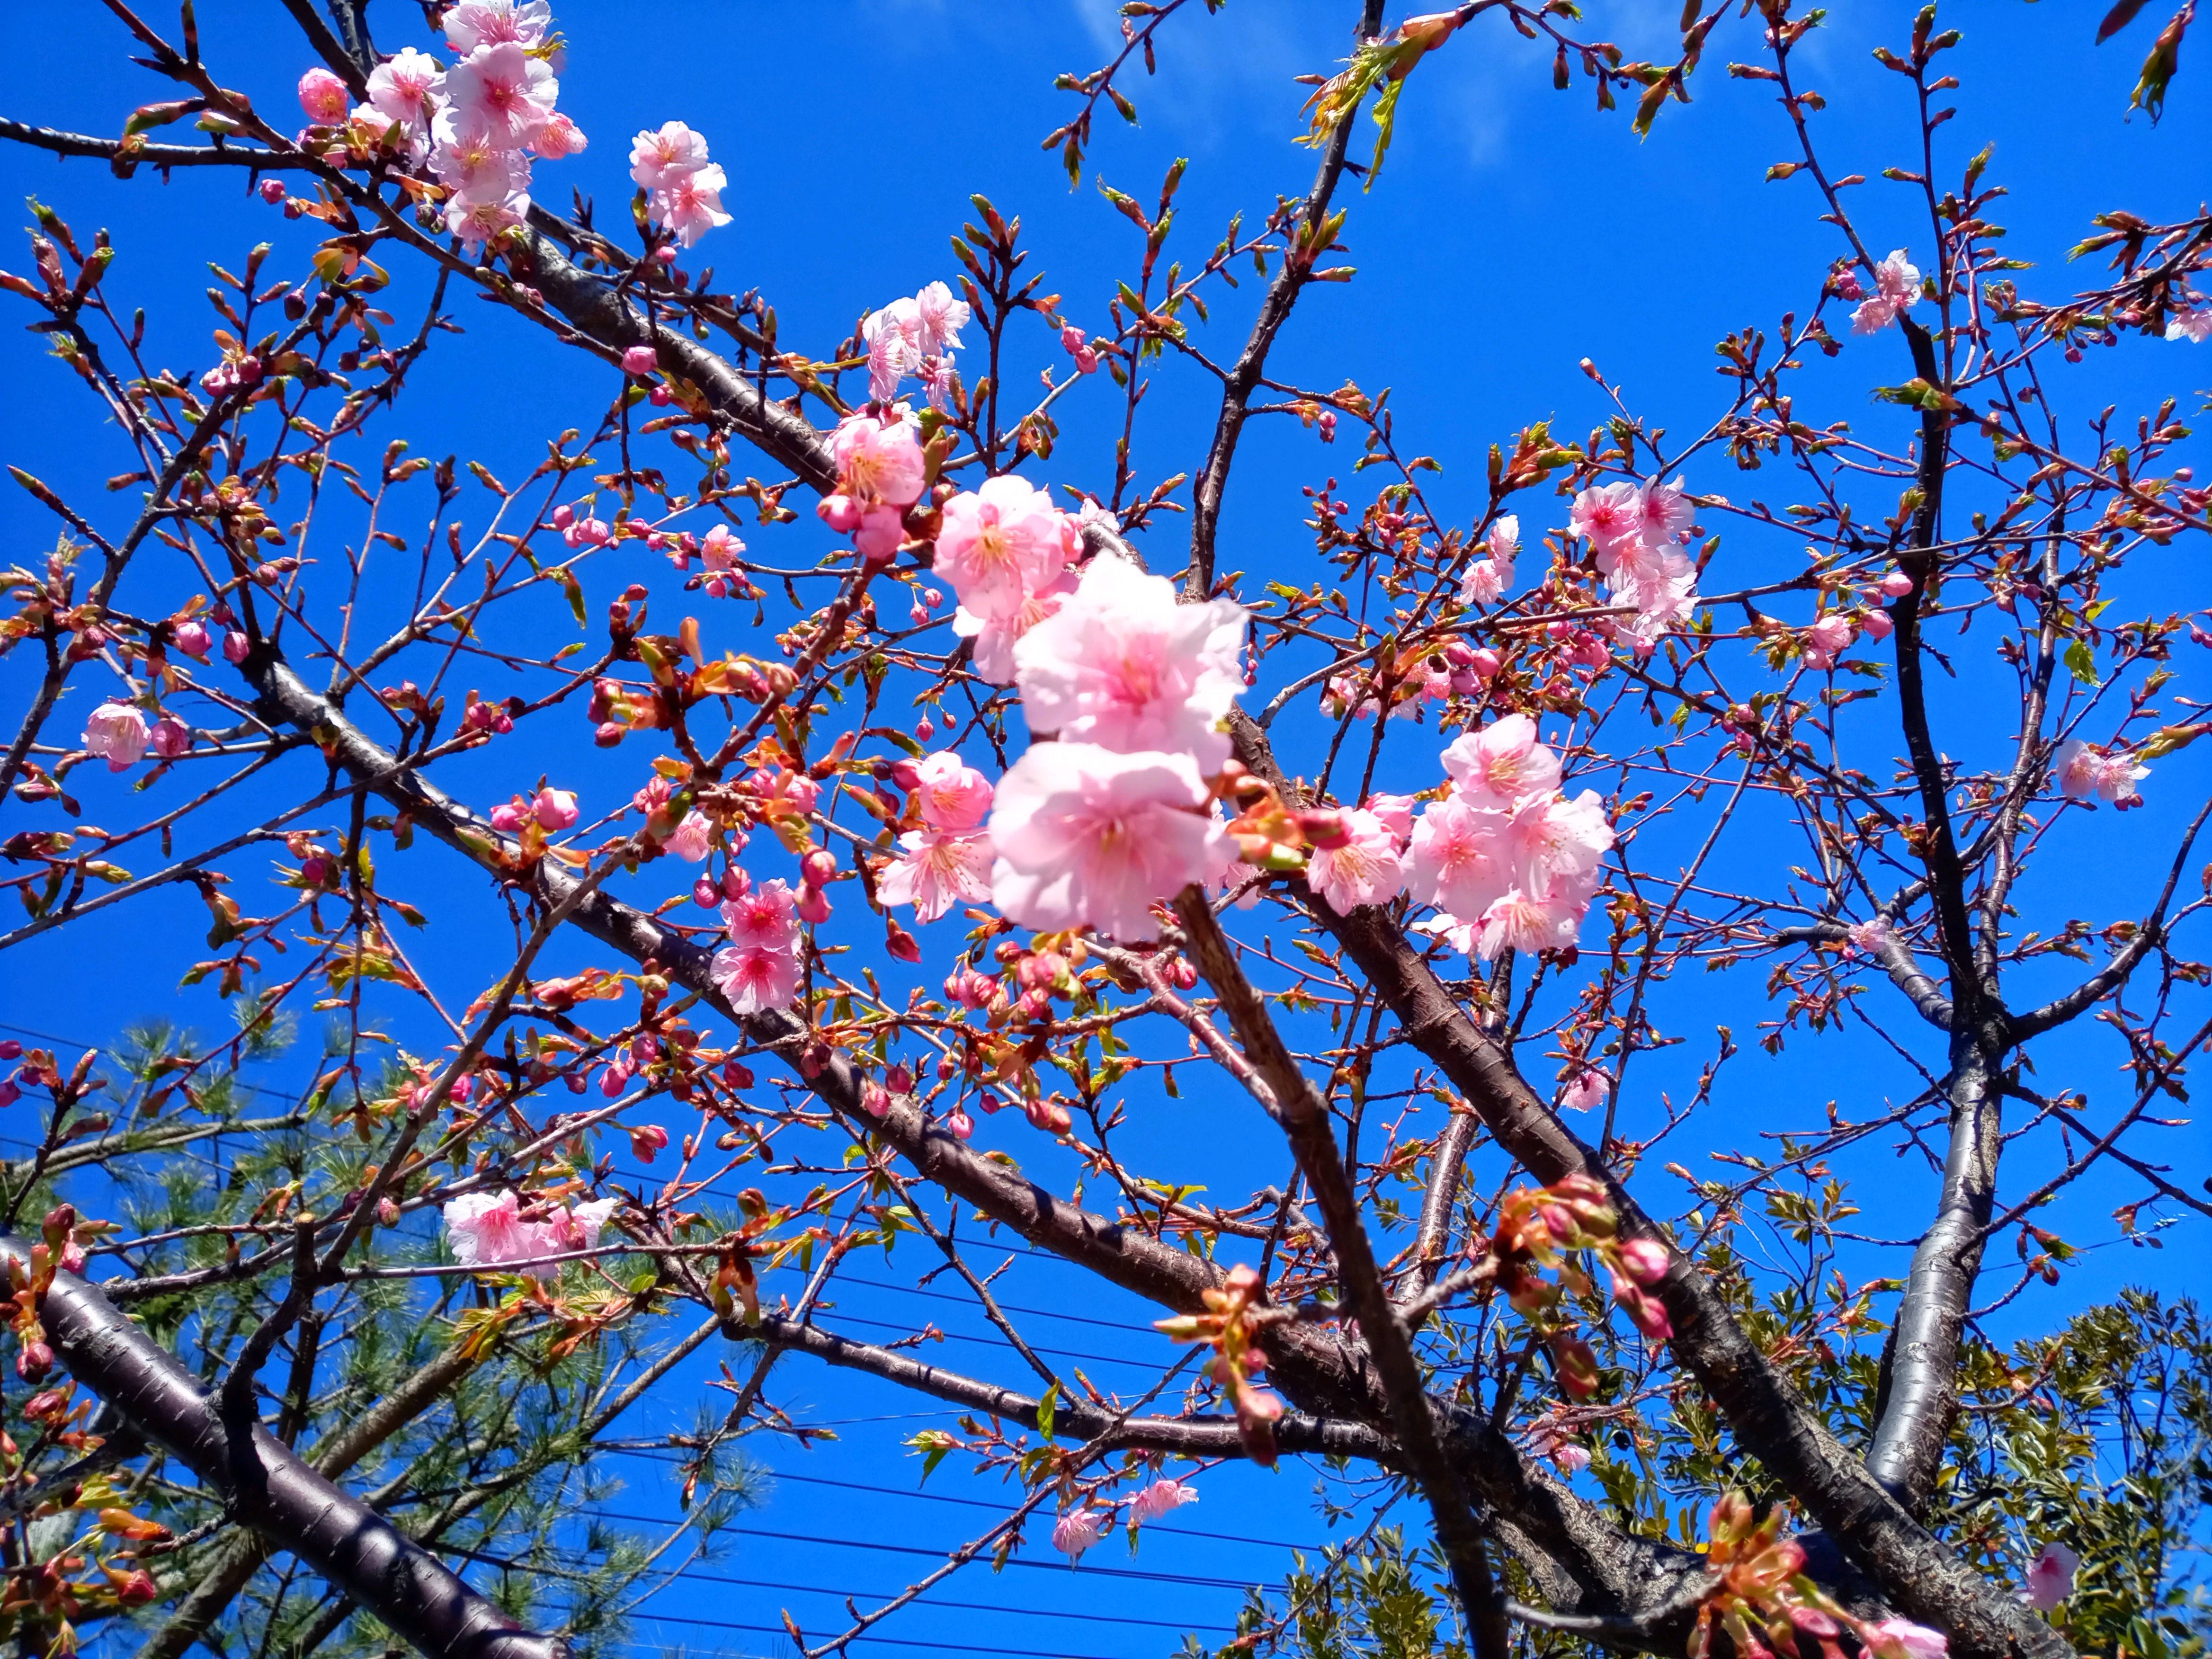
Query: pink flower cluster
[[551, 809], [915, 338], [119, 734], [2085, 772], [477, 125], [1508, 860], [758, 969], [489, 1229], [881, 472], [1093, 830], [1896, 287], [948, 859], [1636, 535], [683, 189]]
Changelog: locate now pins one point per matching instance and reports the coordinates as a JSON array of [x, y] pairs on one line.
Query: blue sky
[[1513, 232]]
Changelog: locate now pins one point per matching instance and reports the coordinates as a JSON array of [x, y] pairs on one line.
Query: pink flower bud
[[1897, 584], [235, 647], [813, 905], [647, 1142], [170, 738], [875, 1099], [272, 191], [841, 512], [608, 734], [1876, 624], [192, 638], [705, 893], [664, 256], [563, 516], [507, 818], [818, 866], [315, 871], [1072, 338], [1327, 422], [660, 397], [1047, 1114], [926, 728], [33, 1360], [555, 809], [1643, 1260], [641, 360], [1486, 662], [958, 1124]]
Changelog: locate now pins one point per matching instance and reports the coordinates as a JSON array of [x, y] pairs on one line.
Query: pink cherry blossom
[[693, 838], [1122, 665], [1867, 938], [474, 23], [1000, 543], [1089, 837], [657, 159], [1667, 512], [554, 809], [1505, 540], [1828, 638], [879, 462], [934, 871], [940, 318], [1162, 1496], [2194, 323], [1077, 1530], [690, 205], [322, 95], [1460, 860], [1396, 813], [117, 732], [763, 918], [559, 138], [893, 338], [1586, 1090], [487, 1229], [1607, 514], [996, 636], [1520, 921], [505, 89], [755, 981], [1901, 1639], [2051, 1577], [1486, 581], [1897, 287], [1367, 869], [1558, 845], [406, 87], [952, 796], [579, 1228], [468, 158], [1502, 761], [2084, 771], [476, 220]]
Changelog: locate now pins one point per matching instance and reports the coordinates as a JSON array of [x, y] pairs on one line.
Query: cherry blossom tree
[[975, 815]]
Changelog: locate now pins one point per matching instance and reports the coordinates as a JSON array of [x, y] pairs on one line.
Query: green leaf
[[1045, 1403], [2082, 662]]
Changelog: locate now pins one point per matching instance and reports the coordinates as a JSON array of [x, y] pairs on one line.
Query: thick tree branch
[[269, 1487], [1304, 1118], [1912, 1568]]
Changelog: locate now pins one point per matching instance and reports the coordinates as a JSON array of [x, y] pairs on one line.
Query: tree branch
[[269, 1487]]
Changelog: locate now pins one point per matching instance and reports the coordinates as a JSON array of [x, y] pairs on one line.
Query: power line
[[687, 1577], [674, 1455], [916, 1549]]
